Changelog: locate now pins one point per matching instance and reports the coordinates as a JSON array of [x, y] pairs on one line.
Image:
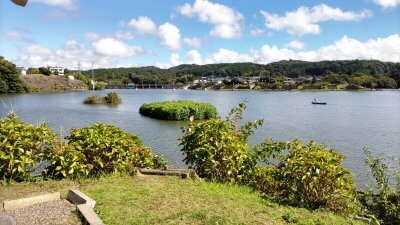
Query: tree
[[32, 71], [45, 71], [386, 82], [9, 78]]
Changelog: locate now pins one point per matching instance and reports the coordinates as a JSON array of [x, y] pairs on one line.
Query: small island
[[179, 110], [110, 98]]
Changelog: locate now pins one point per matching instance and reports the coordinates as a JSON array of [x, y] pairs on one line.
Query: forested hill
[[287, 68]]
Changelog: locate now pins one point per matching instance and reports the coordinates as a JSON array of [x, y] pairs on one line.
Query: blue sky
[[166, 33]]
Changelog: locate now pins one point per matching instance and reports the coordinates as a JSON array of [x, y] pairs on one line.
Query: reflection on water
[[350, 121]]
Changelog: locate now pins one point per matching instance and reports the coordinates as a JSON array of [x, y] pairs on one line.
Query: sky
[[165, 33]]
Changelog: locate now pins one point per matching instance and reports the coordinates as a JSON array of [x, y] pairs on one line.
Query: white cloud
[[384, 49], [387, 3], [226, 21], [116, 48], [296, 44], [306, 20], [92, 36], [170, 36], [65, 4], [19, 35], [227, 56], [195, 42], [143, 25], [257, 32], [194, 57], [68, 56], [174, 60]]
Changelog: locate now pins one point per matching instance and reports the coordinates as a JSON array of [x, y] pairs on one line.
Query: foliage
[[112, 98], [364, 81], [32, 71], [386, 203], [93, 99], [108, 149], [178, 110], [65, 161], [10, 81], [386, 82], [21, 147], [99, 86], [45, 71]]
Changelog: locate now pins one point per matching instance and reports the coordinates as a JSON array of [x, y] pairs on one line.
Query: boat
[[318, 103]]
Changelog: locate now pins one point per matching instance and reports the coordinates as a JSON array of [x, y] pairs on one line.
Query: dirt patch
[[46, 84]]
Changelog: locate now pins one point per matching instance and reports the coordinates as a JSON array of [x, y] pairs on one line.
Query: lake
[[349, 122]]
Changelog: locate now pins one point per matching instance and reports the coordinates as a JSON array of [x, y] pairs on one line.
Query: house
[[57, 70], [253, 80], [21, 70]]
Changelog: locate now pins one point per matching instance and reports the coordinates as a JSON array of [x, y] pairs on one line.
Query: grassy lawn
[[170, 200]]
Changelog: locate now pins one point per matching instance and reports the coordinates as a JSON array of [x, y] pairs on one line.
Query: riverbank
[[170, 200], [38, 83]]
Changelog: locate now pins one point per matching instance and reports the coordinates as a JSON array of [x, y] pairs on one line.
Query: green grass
[[170, 200]]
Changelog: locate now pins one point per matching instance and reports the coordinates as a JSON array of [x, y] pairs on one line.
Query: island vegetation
[[110, 98], [179, 110]]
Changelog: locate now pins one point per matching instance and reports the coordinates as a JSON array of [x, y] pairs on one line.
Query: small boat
[[318, 103]]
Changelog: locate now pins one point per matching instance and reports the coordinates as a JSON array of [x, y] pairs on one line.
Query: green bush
[[108, 149], [99, 86], [312, 176], [178, 110], [21, 147], [112, 98], [93, 99], [385, 204]]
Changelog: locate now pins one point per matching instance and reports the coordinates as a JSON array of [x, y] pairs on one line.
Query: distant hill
[[288, 68]]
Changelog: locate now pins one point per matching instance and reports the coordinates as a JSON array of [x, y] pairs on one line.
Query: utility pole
[[79, 67]]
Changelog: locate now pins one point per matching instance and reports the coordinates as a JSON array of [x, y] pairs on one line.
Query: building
[[57, 70], [21, 70]]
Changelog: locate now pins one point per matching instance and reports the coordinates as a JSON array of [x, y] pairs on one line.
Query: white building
[[21, 70], [57, 70]]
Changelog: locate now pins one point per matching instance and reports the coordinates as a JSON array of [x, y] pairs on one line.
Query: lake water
[[350, 121]]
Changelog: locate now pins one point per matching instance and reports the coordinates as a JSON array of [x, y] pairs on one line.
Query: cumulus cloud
[[296, 44], [143, 25], [227, 56], [195, 42], [170, 36], [387, 3], [384, 49], [116, 48], [65, 4], [306, 20], [174, 60], [226, 21], [68, 56], [194, 57], [124, 35], [19, 35]]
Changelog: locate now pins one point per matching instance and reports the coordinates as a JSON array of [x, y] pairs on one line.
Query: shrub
[[178, 110], [112, 98], [93, 99], [108, 149], [99, 86], [217, 149], [21, 147], [312, 176], [386, 203]]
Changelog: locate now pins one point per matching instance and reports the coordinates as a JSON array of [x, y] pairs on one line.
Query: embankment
[[47, 84]]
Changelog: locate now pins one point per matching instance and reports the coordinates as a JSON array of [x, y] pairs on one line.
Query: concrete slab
[[88, 215], [78, 198], [24, 202]]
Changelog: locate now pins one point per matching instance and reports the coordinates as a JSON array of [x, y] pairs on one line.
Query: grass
[[170, 200]]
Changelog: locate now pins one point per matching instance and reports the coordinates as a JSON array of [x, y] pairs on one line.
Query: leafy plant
[[178, 110], [93, 99], [21, 147], [112, 98], [385, 204], [108, 149]]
